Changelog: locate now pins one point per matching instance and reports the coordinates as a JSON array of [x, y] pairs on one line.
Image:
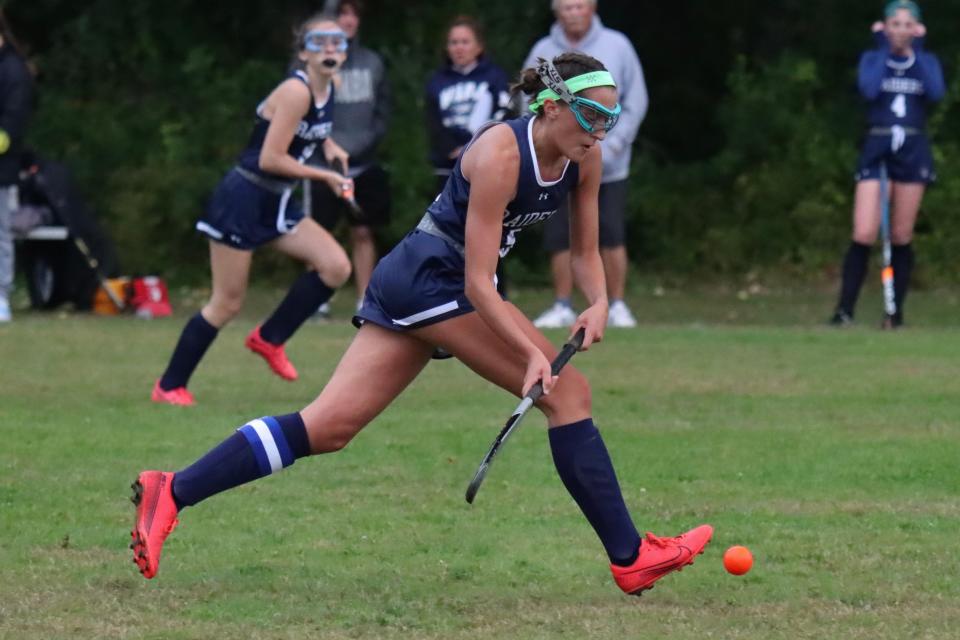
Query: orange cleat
[[275, 356], [660, 556], [179, 396], [156, 518]]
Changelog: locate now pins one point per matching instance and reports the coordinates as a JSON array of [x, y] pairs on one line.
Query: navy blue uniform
[[898, 89], [250, 206], [421, 281]]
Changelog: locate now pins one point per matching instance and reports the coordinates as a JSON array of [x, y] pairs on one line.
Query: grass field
[[832, 454]]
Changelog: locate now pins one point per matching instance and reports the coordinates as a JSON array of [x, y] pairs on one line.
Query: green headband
[[575, 84], [909, 5]]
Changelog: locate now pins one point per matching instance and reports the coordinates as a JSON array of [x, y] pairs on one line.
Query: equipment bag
[[149, 297]]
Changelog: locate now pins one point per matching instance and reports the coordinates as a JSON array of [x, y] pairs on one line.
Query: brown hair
[[469, 22], [569, 65], [357, 6], [7, 34]]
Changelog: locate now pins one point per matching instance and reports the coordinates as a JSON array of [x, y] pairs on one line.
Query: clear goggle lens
[[318, 41], [593, 116]]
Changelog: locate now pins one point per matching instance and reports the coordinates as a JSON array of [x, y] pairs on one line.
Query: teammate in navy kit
[[436, 289], [252, 207], [899, 79]]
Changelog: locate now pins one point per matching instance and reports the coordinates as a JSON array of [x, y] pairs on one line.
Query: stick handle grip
[[566, 352]]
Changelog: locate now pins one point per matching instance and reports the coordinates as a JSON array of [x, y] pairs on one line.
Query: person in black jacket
[[16, 92]]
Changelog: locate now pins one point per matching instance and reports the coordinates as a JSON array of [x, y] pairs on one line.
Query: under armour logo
[[544, 195]]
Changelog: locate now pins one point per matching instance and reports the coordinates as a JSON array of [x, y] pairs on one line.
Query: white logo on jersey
[[458, 101], [903, 85], [527, 219], [544, 195], [315, 132], [356, 85]]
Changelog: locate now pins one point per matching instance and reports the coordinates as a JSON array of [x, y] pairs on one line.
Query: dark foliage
[[744, 162]]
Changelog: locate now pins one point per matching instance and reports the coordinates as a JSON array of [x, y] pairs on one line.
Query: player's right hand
[[338, 183], [538, 370]]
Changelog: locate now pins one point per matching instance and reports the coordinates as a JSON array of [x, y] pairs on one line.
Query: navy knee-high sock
[[584, 465], [854, 271], [901, 259], [255, 450], [195, 339], [306, 294]]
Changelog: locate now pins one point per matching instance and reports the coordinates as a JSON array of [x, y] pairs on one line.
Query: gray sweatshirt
[[361, 108], [614, 50]]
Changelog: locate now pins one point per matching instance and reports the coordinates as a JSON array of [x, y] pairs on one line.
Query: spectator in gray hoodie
[[578, 28], [361, 111]]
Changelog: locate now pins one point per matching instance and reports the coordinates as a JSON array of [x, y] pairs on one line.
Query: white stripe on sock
[[269, 446]]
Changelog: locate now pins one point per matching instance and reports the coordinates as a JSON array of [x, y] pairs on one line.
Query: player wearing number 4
[[899, 79], [252, 207], [436, 289]]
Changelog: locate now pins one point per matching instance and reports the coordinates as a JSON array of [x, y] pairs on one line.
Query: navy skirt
[[911, 162], [244, 215], [419, 283]]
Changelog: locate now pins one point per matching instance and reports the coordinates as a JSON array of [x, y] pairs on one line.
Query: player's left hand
[[594, 321]]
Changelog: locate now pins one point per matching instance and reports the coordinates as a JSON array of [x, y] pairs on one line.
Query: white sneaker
[[556, 317], [5, 315], [620, 316]]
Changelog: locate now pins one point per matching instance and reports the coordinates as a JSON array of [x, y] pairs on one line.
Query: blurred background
[[743, 165]]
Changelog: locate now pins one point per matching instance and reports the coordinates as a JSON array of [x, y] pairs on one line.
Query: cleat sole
[[137, 492]]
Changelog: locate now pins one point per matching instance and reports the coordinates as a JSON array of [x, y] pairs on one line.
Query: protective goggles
[[317, 41], [590, 115]]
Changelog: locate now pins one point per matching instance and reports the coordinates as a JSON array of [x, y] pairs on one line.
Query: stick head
[[476, 482]]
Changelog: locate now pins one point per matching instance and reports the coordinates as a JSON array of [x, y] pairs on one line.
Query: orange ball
[[737, 560]]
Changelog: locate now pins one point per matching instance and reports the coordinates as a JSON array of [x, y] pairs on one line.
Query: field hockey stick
[[532, 396], [94, 264], [886, 275], [346, 191], [78, 242]]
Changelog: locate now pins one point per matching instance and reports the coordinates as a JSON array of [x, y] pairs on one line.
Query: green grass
[[832, 454]]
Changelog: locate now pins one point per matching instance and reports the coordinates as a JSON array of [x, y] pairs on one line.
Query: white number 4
[[899, 106]]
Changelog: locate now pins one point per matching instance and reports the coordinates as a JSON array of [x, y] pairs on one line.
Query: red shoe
[[178, 396], [660, 556], [273, 354], [156, 518]]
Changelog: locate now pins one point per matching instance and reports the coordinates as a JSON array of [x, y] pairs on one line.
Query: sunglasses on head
[[318, 41]]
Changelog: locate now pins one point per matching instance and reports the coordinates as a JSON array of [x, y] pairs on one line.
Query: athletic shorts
[[419, 283], [912, 162], [244, 215], [613, 232], [372, 192]]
